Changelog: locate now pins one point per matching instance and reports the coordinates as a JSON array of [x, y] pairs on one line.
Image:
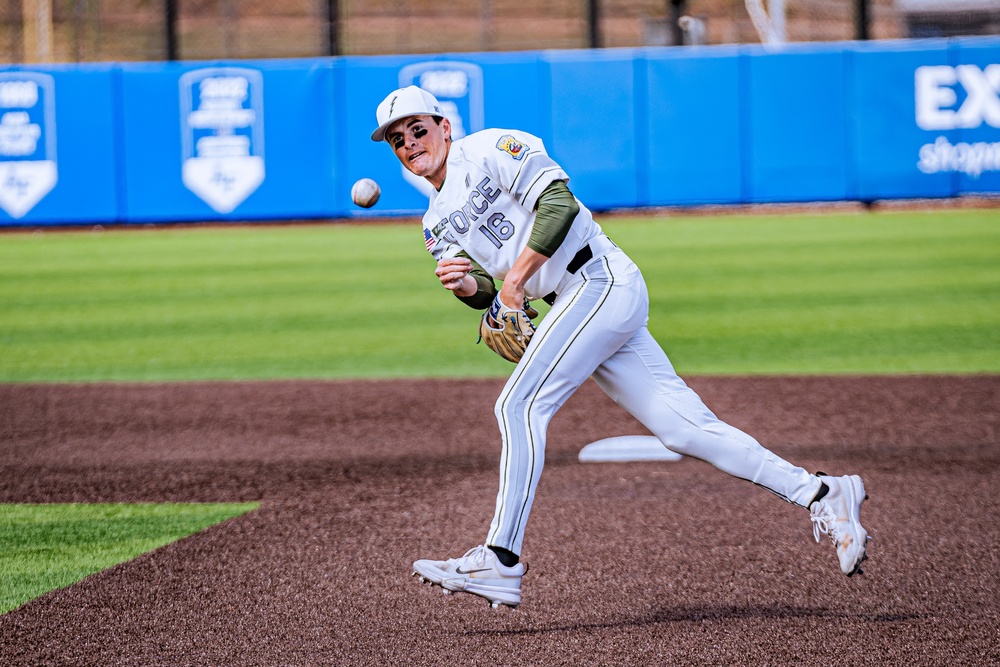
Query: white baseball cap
[[409, 101]]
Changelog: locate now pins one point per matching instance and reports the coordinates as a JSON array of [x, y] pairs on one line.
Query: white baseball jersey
[[486, 206]]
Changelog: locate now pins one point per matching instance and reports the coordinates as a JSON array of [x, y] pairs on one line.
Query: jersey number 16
[[497, 229]]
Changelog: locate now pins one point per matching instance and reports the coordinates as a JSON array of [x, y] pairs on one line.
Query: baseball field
[[249, 433]]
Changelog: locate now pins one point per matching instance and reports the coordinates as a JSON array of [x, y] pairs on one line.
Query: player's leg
[[594, 314], [640, 378], [589, 321]]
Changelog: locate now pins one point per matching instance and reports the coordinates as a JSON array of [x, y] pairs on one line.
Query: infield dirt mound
[[631, 564]]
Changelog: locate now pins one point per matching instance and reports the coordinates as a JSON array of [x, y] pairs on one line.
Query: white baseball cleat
[[838, 514], [478, 572]]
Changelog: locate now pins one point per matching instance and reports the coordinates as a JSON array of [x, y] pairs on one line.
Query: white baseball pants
[[597, 327]]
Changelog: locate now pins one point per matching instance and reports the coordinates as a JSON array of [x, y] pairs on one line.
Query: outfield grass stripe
[[344, 301]]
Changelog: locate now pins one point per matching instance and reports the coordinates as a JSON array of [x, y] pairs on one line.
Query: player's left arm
[[557, 209]]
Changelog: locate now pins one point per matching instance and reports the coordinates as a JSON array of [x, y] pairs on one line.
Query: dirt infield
[[630, 563]]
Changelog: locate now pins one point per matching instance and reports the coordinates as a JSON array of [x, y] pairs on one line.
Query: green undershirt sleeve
[[486, 289], [557, 209]]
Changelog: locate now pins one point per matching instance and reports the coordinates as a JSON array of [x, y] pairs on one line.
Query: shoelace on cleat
[[824, 521], [476, 554]]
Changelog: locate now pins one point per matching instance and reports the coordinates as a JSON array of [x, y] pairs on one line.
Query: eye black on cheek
[[419, 132]]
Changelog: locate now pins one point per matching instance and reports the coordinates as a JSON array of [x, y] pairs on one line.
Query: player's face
[[422, 146]]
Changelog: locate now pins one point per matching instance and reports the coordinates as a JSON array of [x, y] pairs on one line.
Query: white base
[[628, 448]]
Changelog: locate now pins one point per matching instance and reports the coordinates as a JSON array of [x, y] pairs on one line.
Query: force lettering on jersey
[[496, 227]]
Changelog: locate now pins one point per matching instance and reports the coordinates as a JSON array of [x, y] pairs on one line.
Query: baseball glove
[[507, 330]]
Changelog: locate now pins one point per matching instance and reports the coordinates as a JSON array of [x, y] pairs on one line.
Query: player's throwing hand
[[451, 272]]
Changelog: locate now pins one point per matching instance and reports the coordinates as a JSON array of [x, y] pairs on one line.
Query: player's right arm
[[456, 270], [467, 280]]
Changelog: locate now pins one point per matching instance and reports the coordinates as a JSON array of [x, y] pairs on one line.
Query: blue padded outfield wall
[[285, 139]]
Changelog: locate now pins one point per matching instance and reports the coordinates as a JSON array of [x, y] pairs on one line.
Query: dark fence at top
[[147, 30]]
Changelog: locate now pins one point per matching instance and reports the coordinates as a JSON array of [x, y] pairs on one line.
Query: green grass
[[890, 292], [45, 547], [865, 293]]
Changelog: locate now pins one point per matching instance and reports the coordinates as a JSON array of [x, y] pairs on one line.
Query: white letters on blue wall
[[222, 126], [28, 168]]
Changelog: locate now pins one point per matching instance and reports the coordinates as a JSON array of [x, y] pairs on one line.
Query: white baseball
[[365, 193]]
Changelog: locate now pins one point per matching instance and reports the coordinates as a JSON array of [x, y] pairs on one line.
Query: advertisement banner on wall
[[194, 140], [222, 134], [28, 169], [951, 98], [927, 119]]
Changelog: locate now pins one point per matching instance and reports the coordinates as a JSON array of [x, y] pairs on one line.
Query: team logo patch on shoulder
[[508, 144]]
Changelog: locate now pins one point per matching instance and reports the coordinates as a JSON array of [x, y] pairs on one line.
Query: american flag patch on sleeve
[[428, 239]]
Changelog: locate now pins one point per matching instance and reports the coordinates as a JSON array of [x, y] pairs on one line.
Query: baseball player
[[501, 209]]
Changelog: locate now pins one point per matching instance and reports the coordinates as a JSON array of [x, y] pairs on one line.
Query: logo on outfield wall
[[458, 87], [27, 140], [951, 98], [222, 128]]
